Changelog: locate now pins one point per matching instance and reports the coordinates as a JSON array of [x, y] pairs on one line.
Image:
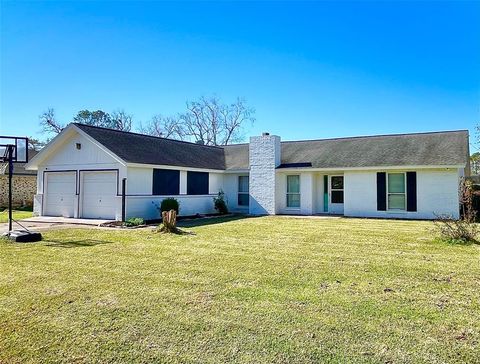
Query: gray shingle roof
[[236, 156], [144, 149], [419, 149]]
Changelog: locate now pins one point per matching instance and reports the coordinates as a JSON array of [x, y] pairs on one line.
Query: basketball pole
[[10, 152], [10, 174]]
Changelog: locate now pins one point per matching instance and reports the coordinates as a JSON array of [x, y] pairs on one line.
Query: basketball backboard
[[20, 149]]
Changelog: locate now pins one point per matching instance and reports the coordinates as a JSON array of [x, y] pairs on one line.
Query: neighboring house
[[24, 184], [411, 176]]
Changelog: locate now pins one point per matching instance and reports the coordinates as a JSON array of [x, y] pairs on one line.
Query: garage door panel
[[60, 194], [95, 188], [99, 190]]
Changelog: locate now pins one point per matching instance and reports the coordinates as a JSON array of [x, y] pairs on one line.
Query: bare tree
[[211, 122], [120, 120], [206, 121], [165, 127], [200, 122], [233, 119], [49, 123]]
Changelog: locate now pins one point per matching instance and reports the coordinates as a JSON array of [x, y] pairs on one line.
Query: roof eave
[[166, 166], [373, 168]]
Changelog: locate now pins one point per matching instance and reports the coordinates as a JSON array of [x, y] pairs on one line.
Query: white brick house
[[83, 172]]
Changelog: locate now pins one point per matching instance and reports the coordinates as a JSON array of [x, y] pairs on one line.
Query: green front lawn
[[270, 289], [17, 215]]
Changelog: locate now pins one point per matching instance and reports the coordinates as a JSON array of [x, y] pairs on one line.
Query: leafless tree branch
[[49, 123], [165, 127]]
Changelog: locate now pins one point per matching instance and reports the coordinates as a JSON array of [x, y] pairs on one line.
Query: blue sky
[[311, 70]]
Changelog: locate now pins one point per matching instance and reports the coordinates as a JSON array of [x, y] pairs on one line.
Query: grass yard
[[17, 215], [270, 289]]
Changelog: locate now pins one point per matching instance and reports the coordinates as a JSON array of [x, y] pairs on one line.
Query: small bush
[[465, 229], [169, 204], [456, 231], [220, 204], [134, 221]]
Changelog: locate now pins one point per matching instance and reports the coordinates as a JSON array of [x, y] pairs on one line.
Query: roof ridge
[[361, 136], [375, 136], [149, 136]]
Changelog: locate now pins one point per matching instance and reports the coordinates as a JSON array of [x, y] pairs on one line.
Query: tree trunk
[[169, 219]]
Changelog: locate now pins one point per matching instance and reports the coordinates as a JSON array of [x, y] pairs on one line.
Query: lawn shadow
[[189, 223], [177, 231], [76, 243], [457, 242]]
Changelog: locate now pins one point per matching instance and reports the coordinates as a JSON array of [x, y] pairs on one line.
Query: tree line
[[207, 120]]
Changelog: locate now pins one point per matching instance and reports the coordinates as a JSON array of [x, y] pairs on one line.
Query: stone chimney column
[[264, 152]]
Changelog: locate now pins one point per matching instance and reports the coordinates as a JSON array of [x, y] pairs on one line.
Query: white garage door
[[98, 191], [60, 194]]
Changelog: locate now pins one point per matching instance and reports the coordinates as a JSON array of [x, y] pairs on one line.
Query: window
[[197, 183], [337, 189], [396, 191], [243, 195], [293, 191], [166, 182]]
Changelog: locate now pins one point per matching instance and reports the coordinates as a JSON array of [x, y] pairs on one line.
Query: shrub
[[465, 229], [169, 204], [220, 204], [134, 221]]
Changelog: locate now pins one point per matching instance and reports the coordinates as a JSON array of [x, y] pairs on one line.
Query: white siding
[[139, 181], [146, 206], [306, 190], [319, 188], [141, 203], [89, 154], [183, 182], [215, 183], [437, 193]]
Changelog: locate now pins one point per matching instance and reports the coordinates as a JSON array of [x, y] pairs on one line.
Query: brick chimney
[[265, 156]]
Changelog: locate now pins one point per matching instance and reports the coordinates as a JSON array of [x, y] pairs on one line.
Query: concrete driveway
[[49, 222]]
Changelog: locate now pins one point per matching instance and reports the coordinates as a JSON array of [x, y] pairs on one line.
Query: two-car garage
[[85, 194]]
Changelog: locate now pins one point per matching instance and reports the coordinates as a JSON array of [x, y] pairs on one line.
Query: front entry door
[[336, 195]]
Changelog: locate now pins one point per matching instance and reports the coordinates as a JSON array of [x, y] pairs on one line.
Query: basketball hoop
[[20, 149], [15, 150]]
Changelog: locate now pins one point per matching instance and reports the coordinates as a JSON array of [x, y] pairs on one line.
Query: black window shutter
[[381, 191], [411, 191], [197, 183], [166, 182]]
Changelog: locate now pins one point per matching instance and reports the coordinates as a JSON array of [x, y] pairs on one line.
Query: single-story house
[[92, 172], [24, 184]]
